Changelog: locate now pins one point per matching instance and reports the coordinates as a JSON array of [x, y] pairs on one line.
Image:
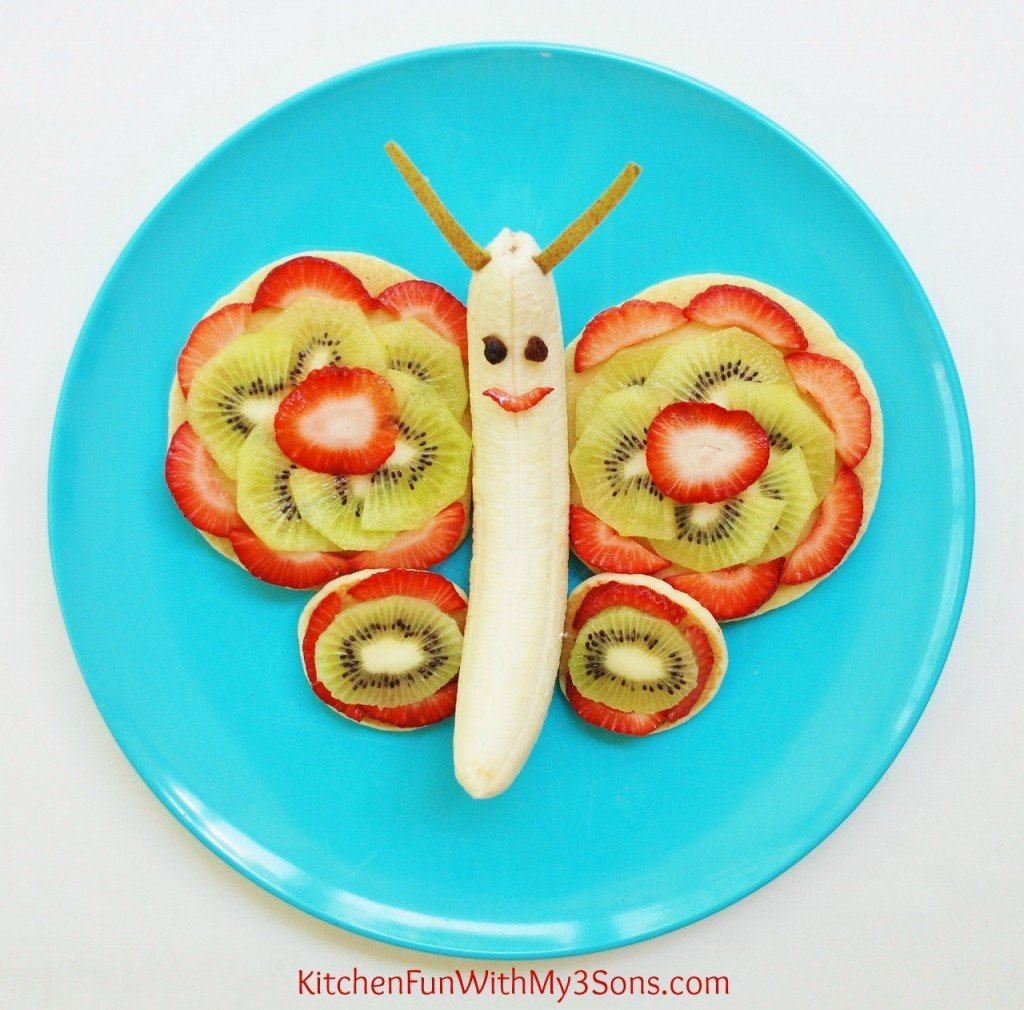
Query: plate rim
[[455, 944]]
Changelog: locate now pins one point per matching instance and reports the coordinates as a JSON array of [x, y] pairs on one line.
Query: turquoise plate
[[602, 840]]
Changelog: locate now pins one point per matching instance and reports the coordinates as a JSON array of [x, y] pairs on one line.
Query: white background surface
[[918, 900]]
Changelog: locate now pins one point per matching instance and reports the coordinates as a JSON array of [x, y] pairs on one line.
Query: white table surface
[[918, 899]]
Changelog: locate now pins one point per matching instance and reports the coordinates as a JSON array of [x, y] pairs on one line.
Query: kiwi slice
[[328, 333], [610, 464], [787, 480], [429, 467], [632, 661], [237, 389], [731, 532], [629, 367], [393, 651], [265, 499], [417, 350], [333, 505], [790, 422], [706, 367]]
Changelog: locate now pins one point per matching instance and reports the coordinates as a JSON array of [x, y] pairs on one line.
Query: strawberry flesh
[[211, 335], [835, 389], [624, 325], [197, 485], [291, 569], [733, 592], [339, 420], [599, 714], [624, 594], [311, 277], [440, 705], [429, 586], [733, 305], [832, 534], [598, 545], [420, 548], [431, 305], [705, 657], [701, 452]]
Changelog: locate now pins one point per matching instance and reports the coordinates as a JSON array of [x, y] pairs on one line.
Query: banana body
[[520, 565]]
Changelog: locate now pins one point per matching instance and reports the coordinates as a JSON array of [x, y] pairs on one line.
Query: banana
[[519, 572]]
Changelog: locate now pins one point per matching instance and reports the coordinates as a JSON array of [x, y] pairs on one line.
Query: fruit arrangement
[[318, 421], [724, 439]]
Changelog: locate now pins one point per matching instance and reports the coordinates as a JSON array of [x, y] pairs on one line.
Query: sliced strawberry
[[339, 420], [705, 657], [440, 705], [197, 485], [622, 326], [700, 452], [832, 534], [517, 404], [731, 592], [420, 548], [599, 714], [732, 305], [212, 333], [292, 569], [431, 305], [311, 277], [427, 586], [319, 621], [624, 594], [599, 546], [836, 391]]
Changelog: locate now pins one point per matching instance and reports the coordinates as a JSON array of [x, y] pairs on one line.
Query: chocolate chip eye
[[536, 349], [495, 350]]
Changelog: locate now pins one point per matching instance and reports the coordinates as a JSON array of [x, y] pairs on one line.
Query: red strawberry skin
[[734, 592], [832, 534], [432, 306], [291, 569], [319, 621], [624, 325], [600, 547], [733, 305], [310, 277], [705, 657], [624, 594], [701, 452], [437, 707], [211, 334], [835, 389], [339, 420], [517, 404], [198, 487], [420, 548], [427, 586], [601, 715]]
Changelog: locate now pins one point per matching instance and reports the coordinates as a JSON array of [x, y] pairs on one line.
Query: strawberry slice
[[427, 586], [832, 534], [836, 391], [733, 592], [339, 420], [420, 548], [599, 546], [197, 485], [319, 621], [622, 326], [623, 594], [705, 657], [516, 404], [440, 705], [311, 277], [291, 569], [700, 452], [210, 335], [432, 306], [732, 305], [599, 714]]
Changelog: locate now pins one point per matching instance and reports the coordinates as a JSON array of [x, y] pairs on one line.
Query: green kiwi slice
[[333, 505], [790, 422], [787, 480], [265, 499], [610, 464], [418, 351], [328, 333], [632, 661], [708, 537], [629, 367], [706, 367], [429, 467], [396, 650], [236, 390]]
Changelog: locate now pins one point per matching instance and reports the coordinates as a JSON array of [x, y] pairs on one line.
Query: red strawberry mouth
[[516, 404]]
